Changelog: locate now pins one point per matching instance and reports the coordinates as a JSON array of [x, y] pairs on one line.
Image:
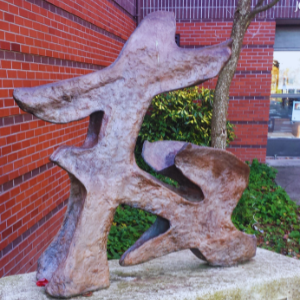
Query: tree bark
[[242, 19]]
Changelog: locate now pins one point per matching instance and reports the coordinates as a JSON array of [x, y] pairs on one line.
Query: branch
[[255, 33], [259, 3], [259, 8]]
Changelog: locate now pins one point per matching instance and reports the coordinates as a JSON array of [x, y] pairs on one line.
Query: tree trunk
[[219, 118], [242, 19]]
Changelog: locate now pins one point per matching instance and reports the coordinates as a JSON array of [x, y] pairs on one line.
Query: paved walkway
[[288, 176]]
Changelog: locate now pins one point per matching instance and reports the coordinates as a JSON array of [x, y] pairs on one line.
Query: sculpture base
[[182, 276]]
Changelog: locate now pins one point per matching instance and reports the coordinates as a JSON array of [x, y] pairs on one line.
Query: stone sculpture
[[104, 174]]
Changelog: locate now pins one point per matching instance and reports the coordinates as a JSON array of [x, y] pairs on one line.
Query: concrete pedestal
[[181, 276]]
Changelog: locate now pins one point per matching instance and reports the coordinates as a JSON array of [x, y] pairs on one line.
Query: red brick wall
[[41, 42], [251, 86]]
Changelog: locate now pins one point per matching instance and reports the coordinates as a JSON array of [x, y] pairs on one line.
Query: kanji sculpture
[[104, 174]]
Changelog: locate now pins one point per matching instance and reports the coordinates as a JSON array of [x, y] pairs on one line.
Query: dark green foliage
[[129, 224], [183, 115], [266, 210]]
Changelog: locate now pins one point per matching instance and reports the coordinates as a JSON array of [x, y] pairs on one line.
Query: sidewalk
[[288, 176]]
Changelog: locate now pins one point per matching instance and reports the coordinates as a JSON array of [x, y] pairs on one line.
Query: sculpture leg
[[85, 267], [57, 250], [156, 241], [232, 248], [205, 225]]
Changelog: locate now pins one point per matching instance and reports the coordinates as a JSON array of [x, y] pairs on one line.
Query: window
[[284, 118]]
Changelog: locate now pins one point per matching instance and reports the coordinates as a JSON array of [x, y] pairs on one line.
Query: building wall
[[42, 42], [250, 90]]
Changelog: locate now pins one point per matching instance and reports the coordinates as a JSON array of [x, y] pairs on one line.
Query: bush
[[267, 211], [183, 115], [128, 225]]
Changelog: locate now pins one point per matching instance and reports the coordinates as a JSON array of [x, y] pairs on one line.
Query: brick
[[6, 233], [4, 45], [9, 18], [15, 47], [4, 26], [17, 225]]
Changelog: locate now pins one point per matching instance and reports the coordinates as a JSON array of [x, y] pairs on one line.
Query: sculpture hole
[[158, 159], [129, 224], [173, 179], [185, 188], [94, 128], [159, 227]]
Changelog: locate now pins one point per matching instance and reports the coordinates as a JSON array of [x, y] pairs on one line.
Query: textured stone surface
[[104, 174], [211, 184], [181, 276]]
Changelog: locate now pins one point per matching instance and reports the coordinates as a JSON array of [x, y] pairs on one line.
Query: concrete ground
[[182, 276], [288, 176]]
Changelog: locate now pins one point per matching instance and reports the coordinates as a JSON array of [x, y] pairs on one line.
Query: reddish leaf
[[42, 282]]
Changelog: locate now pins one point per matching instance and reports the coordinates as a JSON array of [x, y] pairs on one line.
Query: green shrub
[[128, 225], [183, 115], [267, 211]]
